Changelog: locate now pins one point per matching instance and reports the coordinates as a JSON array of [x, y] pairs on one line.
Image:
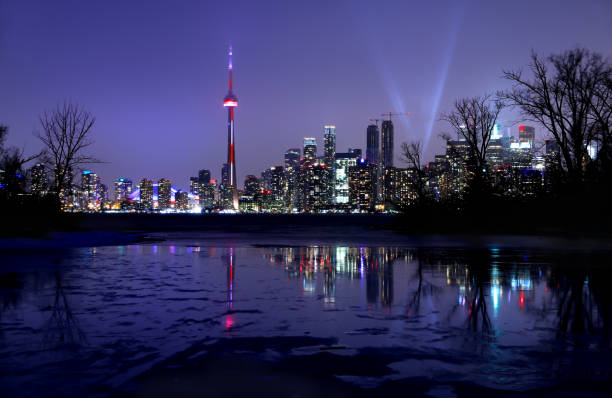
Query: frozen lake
[[352, 316]]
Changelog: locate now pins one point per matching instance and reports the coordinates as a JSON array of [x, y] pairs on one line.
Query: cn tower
[[230, 101]]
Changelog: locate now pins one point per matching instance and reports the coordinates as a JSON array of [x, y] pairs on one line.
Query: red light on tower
[[521, 128]]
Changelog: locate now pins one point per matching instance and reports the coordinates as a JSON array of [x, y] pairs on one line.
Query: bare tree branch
[[66, 134]]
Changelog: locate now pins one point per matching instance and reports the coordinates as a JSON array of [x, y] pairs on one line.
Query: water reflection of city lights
[[229, 321]]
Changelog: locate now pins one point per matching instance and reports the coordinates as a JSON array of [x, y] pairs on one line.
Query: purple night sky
[[155, 73]]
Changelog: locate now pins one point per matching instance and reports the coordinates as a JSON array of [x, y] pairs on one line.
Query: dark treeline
[[30, 204], [569, 96]]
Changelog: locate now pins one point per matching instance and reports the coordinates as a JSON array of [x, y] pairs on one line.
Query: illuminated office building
[[90, 191], [310, 151], [343, 162], [314, 187], [146, 194], [207, 194], [252, 186], [329, 138], [204, 176], [527, 135], [164, 194], [39, 179], [194, 186], [361, 186], [123, 189], [278, 184], [292, 170], [181, 200]]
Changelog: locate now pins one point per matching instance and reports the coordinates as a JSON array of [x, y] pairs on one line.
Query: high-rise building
[[343, 162], [90, 191], [104, 202], [123, 189], [387, 143], [526, 135], [231, 102], [361, 186], [226, 191], [266, 179], [292, 158], [292, 169], [278, 184], [204, 176], [251, 186], [329, 138], [496, 154], [207, 194], [310, 150], [398, 191], [146, 194], [181, 200], [164, 193], [457, 175], [40, 179], [194, 186], [372, 144], [225, 174], [314, 187]]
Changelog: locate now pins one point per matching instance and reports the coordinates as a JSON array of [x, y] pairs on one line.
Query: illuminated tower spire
[[230, 101]]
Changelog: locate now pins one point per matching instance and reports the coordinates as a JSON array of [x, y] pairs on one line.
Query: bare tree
[[567, 94], [474, 119], [66, 133]]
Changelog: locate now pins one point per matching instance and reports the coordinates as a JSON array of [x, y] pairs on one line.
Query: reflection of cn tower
[[230, 278], [230, 101]]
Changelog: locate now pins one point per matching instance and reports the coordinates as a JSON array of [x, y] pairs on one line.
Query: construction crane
[[390, 114]]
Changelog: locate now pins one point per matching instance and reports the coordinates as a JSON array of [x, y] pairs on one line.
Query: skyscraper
[[251, 185], [204, 176], [310, 150], [373, 144], [361, 186], [40, 179], [194, 186], [90, 191], [164, 192], [527, 135], [146, 194], [231, 101], [181, 200], [278, 183], [343, 162], [123, 189], [387, 143], [329, 137], [292, 169]]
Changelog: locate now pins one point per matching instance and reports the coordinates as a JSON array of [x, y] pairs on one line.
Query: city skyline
[[159, 125]]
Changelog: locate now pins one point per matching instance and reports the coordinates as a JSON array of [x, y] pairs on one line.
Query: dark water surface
[[232, 318]]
